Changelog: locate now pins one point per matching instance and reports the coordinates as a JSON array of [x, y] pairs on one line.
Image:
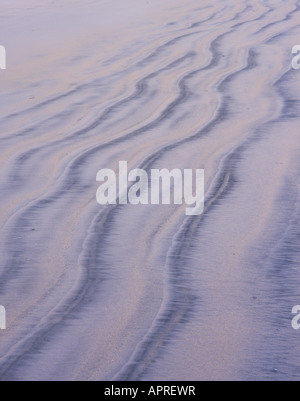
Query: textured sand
[[146, 293]]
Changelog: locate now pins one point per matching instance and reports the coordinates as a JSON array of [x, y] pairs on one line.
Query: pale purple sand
[[144, 292]]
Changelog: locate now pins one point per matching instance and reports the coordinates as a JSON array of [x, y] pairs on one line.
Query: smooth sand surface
[[145, 292]]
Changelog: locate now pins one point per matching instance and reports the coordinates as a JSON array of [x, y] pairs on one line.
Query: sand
[[145, 292]]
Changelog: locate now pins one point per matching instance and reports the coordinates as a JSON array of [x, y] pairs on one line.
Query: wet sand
[[144, 292]]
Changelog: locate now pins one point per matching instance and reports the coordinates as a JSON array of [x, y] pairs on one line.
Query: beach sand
[[145, 292]]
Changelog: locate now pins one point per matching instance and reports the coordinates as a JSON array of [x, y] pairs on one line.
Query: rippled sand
[[144, 292]]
